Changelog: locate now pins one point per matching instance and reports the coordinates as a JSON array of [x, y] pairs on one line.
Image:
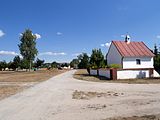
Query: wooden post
[[88, 70], [97, 72], [151, 72], [113, 73]]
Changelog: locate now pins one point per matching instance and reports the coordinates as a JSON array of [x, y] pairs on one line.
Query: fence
[[134, 73]]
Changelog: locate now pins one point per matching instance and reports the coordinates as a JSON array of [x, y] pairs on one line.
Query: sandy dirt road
[[52, 100]]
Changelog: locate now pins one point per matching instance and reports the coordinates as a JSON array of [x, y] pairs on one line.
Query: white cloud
[[76, 54], [20, 34], [59, 33], [123, 36], [106, 44], [8, 53], [102, 45], [52, 53], [1, 33], [158, 36], [38, 36]]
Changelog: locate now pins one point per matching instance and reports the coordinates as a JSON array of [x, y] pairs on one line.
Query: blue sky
[[70, 27]]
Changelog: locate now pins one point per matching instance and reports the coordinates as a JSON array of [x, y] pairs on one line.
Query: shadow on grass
[[95, 76]]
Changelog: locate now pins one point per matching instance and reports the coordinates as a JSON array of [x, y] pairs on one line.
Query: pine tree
[[155, 50]]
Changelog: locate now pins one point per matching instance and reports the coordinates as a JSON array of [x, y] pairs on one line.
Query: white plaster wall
[[104, 72], [155, 74], [113, 56], [93, 72], [146, 62], [131, 74]]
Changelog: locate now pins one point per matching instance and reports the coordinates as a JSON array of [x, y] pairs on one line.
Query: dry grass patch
[[12, 82], [83, 75], [7, 90], [35, 76]]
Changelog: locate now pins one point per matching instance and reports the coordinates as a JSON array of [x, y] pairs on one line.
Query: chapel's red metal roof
[[133, 49]]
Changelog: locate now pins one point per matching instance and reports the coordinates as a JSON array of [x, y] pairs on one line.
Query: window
[[138, 61]]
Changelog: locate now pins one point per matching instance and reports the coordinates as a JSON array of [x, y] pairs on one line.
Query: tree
[[64, 64], [55, 64], [155, 50], [16, 62], [83, 61], [24, 64], [46, 65], [156, 59], [97, 59], [11, 65], [3, 65], [38, 63], [27, 47], [74, 63]]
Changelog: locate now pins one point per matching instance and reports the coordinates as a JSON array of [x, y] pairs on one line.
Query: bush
[[115, 66], [94, 66]]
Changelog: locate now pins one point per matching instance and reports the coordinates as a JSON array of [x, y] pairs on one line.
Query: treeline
[[96, 60], [19, 63], [55, 65]]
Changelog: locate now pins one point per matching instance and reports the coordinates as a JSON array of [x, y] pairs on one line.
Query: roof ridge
[[124, 41]]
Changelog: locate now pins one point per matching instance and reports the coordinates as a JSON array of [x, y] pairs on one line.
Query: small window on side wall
[[138, 61]]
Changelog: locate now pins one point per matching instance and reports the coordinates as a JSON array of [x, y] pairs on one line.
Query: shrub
[[94, 67], [115, 66]]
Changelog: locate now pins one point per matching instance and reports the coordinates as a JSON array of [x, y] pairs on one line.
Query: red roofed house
[[135, 58], [130, 54]]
